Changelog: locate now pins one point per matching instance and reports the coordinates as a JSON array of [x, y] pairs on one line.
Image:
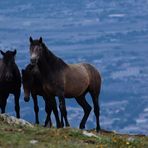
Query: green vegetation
[[27, 137]]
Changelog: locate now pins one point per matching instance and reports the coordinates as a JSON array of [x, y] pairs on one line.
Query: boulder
[[14, 121]]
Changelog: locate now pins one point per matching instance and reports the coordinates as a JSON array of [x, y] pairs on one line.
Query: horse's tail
[[94, 80]]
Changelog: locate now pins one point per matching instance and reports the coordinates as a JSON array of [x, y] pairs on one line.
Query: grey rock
[[14, 121]]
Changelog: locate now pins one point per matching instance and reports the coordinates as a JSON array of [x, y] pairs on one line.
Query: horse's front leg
[[17, 106], [63, 110], [48, 110], [3, 106], [55, 111], [36, 108], [3, 102]]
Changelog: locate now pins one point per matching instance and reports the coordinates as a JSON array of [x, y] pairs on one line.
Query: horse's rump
[[80, 78], [95, 79]]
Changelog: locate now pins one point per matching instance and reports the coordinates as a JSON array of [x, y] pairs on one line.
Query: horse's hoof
[[98, 130], [50, 125], [18, 117], [37, 122], [62, 124], [45, 125], [82, 126], [67, 125], [59, 126]]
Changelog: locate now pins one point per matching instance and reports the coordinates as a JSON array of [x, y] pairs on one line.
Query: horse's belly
[[75, 91]]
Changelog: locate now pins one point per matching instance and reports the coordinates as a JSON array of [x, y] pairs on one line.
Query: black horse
[[10, 80], [32, 83], [67, 80]]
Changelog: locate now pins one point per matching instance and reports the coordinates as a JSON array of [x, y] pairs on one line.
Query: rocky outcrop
[[14, 121]]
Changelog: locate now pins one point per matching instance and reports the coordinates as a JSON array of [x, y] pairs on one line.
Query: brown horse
[[10, 80], [31, 79], [67, 80]]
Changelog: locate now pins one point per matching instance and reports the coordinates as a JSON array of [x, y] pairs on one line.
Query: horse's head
[[26, 80], [8, 56], [36, 50]]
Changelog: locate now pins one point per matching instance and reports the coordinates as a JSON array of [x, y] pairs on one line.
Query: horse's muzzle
[[26, 99], [33, 61]]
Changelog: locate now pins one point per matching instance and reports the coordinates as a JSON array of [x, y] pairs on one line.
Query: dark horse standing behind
[[10, 80], [32, 84], [67, 80]]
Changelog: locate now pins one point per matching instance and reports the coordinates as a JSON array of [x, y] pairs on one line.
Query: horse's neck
[[43, 67], [2, 69], [54, 62], [50, 67], [3, 66], [4, 63]]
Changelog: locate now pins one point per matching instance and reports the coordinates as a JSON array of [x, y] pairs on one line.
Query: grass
[[13, 136]]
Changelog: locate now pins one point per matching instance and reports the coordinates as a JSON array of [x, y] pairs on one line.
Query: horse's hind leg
[[17, 106], [95, 99], [36, 108], [87, 109], [63, 110]]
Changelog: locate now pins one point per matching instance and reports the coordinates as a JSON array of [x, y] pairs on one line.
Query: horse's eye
[[31, 45]]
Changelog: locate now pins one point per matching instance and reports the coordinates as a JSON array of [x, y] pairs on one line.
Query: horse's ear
[[14, 52], [31, 40], [2, 52], [41, 40]]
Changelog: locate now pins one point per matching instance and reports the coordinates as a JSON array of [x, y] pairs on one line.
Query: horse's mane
[[55, 62]]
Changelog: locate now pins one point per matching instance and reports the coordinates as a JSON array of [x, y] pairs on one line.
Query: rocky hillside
[[22, 134]]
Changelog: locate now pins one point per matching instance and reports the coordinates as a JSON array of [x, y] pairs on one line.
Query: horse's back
[[76, 80]]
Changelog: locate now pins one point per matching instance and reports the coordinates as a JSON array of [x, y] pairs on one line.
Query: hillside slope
[[15, 134]]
